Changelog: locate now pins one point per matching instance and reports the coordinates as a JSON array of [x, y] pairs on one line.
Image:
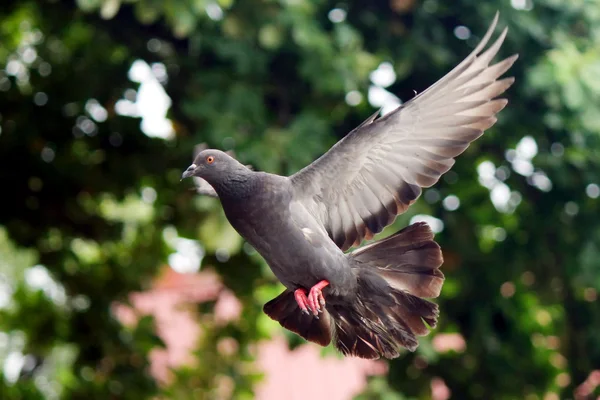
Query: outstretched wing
[[377, 171]]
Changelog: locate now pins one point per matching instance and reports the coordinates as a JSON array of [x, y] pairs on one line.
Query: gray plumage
[[303, 224], [204, 188]]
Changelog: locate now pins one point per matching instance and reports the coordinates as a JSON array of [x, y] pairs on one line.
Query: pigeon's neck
[[236, 186]]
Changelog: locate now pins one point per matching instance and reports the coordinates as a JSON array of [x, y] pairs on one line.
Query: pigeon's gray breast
[[287, 235]]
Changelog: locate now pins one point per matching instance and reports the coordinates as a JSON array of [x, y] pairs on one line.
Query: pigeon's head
[[214, 166]]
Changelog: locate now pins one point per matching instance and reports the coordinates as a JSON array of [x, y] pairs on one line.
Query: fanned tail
[[389, 311]]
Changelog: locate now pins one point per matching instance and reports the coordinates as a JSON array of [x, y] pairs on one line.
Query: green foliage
[[90, 201]]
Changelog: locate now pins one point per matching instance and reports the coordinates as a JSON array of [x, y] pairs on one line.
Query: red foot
[[315, 297], [300, 295], [315, 300]]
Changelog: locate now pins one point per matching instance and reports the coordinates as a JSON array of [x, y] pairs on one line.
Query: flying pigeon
[[372, 301]]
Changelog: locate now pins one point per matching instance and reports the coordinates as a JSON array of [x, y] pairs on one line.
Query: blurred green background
[[103, 101]]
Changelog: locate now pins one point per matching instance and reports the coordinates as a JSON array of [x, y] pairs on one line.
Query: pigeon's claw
[[302, 300], [316, 301]]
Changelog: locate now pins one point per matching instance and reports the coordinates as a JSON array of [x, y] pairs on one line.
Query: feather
[[407, 149]]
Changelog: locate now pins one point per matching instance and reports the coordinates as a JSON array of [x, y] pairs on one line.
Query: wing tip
[[511, 60], [508, 81], [496, 17], [502, 103], [487, 35], [502, 37]]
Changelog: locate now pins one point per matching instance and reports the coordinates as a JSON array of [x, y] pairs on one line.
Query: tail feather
[[352, 337], [388, 311], [420, 314], [408, 260], [370, 330]]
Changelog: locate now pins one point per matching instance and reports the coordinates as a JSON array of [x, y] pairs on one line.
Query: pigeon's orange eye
[[210, 159]]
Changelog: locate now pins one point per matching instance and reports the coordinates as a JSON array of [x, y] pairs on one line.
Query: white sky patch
[[151, 102], [487, 172], [354, 98], [541, 181], [13, 363], [384, 75], [148, 195], [38, 278], [14, 67], [381, 98], [6, 292], [222, 255], [499, 234], [592, 190], [159, 70], [25, 57], [96, 111], [527, 148], [126, 108], [28, 54], [381, 78], [436, 225], [451, 203], [500, 194], [188, 254], [521, 158], [522, 167], [337, 15], [525, 5], [510, 155], [462, 32], [214, 11], [12, 358], [187, 257]]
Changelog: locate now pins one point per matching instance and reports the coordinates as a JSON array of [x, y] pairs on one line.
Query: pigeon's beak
[[189, 171]]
